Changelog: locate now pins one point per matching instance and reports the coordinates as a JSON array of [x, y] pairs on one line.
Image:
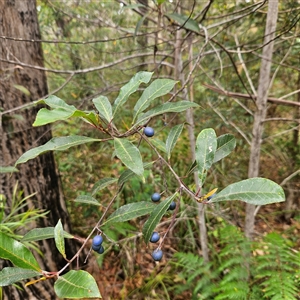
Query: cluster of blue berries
[[158, 253], [156, 197], [97, 244]]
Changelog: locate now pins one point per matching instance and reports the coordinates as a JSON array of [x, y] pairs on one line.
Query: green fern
[[273, 272], [234, 261], [278, 269], [194, 275]]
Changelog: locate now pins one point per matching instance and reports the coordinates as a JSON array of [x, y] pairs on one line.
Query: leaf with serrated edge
[[172, 138], [131, 87], [17, 253], [55, 144], [130, 211], [102, 183], [59, 238], [225, 144], [11, 275], [76, 284], [87, 199], [168, 107], [157, 88], [104, 107], [257, 191], [206, 145], [39, 234], [130, 155], [156, 216]]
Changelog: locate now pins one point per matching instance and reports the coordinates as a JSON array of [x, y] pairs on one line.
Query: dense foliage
[[182, 70]]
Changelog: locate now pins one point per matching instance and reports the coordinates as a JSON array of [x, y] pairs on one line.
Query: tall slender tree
[[261, 106], [18, 87]]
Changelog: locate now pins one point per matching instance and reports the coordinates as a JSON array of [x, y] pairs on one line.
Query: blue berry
[[149, 131], [172, 205], [155, 197], [155, 237], [97, 240], [96, 248], [157, 254], [100, 250]]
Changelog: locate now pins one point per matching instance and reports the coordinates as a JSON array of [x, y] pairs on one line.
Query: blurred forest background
[[215, 49]]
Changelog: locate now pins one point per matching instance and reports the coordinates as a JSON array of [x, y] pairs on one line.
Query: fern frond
[[277, 269]]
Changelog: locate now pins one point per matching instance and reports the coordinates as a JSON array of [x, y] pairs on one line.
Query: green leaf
[[102, 183], [130, 87], [22, 88], [17, 253], [225, 144], [173, 138], [38, 234], [104, 107], [60, 111], [139, 24], [128, 174], [130, 211], [130, 155], [76, 284], [59, 238], [57, 103], [185, 21], [157, 88], [155, 217], [55, 144], [166, 108], [90, 118], [159, 144], [206, 145], [86, 199], [11, 275], [257, 191], [9, 169], [46, 116], [132, 6]]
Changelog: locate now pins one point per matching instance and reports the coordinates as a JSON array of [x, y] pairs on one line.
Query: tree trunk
[[18, 19], [261, 107]]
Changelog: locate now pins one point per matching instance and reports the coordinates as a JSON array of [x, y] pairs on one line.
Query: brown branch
[[75, 72], [127, 36], [246, 96]]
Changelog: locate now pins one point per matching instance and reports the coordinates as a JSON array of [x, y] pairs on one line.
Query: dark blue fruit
[[100, 250], [149, 131], [172, 205], [155, 237], [97, 240], [157, 254], [96, 248], [155, 197]]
